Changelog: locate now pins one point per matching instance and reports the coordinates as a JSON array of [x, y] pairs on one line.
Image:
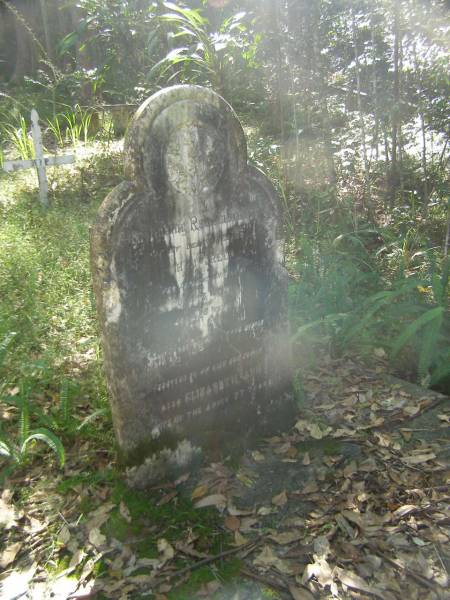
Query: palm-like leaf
[[427, 317], [49, 438]]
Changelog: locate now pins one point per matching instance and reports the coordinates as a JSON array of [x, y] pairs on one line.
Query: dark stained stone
[[191, 295]]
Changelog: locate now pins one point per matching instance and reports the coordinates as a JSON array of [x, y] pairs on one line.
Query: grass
[[48, 331], [45, 291]]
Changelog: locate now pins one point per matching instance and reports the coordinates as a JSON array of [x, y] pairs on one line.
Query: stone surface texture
[[191, 294]]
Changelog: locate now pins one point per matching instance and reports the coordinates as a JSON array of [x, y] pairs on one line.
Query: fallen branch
[[276, 585], [210, 559], [430, 584]]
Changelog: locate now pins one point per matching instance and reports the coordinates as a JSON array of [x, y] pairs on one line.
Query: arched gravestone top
[[191, 295]]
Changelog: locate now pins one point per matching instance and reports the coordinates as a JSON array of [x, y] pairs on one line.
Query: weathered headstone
[[191, 295]]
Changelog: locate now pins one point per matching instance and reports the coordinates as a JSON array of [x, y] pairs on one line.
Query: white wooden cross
[[40, 162]]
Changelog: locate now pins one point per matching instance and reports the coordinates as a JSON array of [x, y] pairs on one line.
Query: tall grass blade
[[430, 315]]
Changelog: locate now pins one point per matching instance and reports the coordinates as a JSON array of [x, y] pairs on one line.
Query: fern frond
[[5, 343], [327, 320], [428, 348], [6, 449], [427, 317], [65, 401], [91, 417], [24, 424], [442, 371], [50, 439]]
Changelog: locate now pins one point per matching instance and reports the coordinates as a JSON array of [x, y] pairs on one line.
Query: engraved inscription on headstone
[[191, 295]]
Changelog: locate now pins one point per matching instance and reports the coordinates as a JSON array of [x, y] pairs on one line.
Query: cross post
[[40, 162]]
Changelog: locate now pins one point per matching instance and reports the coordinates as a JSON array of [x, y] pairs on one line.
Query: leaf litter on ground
[[368, 523]]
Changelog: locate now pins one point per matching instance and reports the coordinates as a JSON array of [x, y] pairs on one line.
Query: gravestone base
[[167, 457], [166, 464]]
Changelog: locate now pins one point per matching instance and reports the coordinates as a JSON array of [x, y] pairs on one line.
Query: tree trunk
[[367, 191], [23, 51], [394, 174], [45, 24], [376, 136]]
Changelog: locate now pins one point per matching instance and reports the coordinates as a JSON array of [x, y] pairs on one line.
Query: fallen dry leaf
[[182, 479], [237, 512], [300, 593], [239, 539], [404, 510], [417, 459], [9, 515], [292, 452], [379, 352], [321, 546], [287, 537], [167, 498], [189, 550], [165, 549], [317, 432], [64, 535], [247, 523], [199, 491], [232, 523], [258, 456], [77, 558], [16, 584], [9, 554], [355, 582], [99, 516], [411, 410], [280, 499], [267, 558], [321, 570], [218, 500], [208, 589], [96, 538], [306, 459], [124, 511]]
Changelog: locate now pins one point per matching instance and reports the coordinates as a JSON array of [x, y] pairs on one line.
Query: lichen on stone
[[166, 463]]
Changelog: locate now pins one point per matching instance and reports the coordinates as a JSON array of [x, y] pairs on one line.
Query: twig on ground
[[206, 561], [276, 585], [430, 584]]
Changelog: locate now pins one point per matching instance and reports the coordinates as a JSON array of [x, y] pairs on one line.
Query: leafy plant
[[412, 314], [54, 126], [5, 343], [78, 124], [17, 450], [60, 416], [202, 55], [19, 138]]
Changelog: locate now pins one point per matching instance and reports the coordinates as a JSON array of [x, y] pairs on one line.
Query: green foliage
[[200, 55], [120, 38], [16, 135], [57, 130], [298, 386], [333, 276], [72, 126], [412, 317], [342, 297], [47, 314], [17, 448]]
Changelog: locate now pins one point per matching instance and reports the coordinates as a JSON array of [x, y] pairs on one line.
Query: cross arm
[[16, 165]]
